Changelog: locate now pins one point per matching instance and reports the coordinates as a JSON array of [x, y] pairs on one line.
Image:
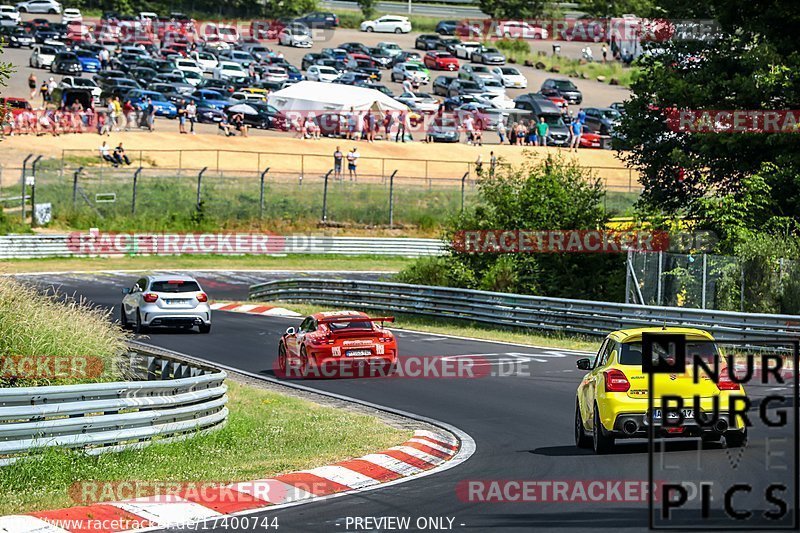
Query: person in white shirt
[[105, 153], [191, 114], [352, 162]]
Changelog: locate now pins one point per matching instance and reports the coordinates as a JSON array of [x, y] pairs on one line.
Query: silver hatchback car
[[165, 300]]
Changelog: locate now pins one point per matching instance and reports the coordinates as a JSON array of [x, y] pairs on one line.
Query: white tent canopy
[[332, 97]]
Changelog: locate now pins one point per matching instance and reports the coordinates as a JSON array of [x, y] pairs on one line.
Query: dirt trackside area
[[283, 155]]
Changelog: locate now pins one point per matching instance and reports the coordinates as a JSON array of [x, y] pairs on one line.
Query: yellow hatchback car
[[612, 398]]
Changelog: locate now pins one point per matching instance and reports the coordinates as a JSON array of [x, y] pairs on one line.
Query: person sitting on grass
[[120, 156], [225, 127], [238, 122], [105, 153]]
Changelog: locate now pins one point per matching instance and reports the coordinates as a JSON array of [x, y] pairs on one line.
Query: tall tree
[[513, 9], [751, 65]]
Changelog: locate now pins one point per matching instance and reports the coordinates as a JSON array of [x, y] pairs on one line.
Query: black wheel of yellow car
[[582, 440], [601, 442], [282, 358], [735, 439]]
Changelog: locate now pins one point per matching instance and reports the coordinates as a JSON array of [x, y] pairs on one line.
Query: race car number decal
[[379, 349], [336, 351]]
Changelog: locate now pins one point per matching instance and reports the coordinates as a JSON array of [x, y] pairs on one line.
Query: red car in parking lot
[[438, 60], [337, 344]]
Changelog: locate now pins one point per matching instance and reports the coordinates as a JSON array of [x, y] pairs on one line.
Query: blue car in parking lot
[[212, 99], [89, 61], [164, 108]]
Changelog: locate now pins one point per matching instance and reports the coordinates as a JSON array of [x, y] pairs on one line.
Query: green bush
[[549, 194], [513, 46]]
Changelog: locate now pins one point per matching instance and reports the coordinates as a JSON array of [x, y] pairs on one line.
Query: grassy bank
[[466, 329], [35, 325], [200, 262], [267, 434]]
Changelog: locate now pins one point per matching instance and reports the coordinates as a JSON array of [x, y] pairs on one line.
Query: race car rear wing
[[345, 318]]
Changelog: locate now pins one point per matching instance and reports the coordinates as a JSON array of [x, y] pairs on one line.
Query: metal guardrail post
[[703, 291], [391, 200], [325, 197], [75, 187], [261, 192], [463, 184], [200, 184], [135, 188], [22, 180]]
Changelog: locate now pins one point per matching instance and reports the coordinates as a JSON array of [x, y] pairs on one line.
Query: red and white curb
[[252, 309], [424, 452]]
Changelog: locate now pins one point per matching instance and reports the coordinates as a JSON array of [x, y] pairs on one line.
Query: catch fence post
[[135, 183], [463, 184], [391, 200], [325, 198], [22, 180], [75, 186], [261, 193], [200, 184], [33, 192]]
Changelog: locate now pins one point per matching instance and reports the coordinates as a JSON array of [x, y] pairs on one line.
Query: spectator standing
[[117, 112], [512, 134], [32, 85], [52, 85], [604, 50], [575, 128], [44, 90], [130, 114], [112, 124], [352, 163], [469, 127], [191, 114], [104, 57], [182, 116], [401, 127], [492, 164], [581, 116], [501, 131], [338, 156], [388, 120], [479, 166], [150, 113], [542, 129]]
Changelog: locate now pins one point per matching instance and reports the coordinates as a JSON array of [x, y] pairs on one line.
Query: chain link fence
[[706, 281]]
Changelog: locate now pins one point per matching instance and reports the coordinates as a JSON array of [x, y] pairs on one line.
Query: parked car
[[459, 87], [39, 6], [475, 72], [89, 61], [443, 130], [71, 14], [42, 56], [381, 57], [275, 73], [488, 56], [510, 76], [361, 48], [322, 73], [66, 63], [419, 102], [603, 120], [464, 49], [403, 57], [165, 300], [590, 139], [76, 82], [385, 24], [319, 19], [294, 37], [446, 27], [441, 61], [448, 44], [513, 29], [163, 107], [230, 71], [541, 107], [17, 38], [427, 41], [567, 89], [211, 98], [409, 71], [441, 84]]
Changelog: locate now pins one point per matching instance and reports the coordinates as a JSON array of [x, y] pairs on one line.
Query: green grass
[[300, 262], [267, 434], [464, 328], [35, 325]]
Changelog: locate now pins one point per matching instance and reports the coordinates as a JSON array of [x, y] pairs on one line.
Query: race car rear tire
[[735, 439], [304, 363], [282, 357], [582, 440], [601, 442]]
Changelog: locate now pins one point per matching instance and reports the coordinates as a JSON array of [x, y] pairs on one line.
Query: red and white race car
[[338, 344]]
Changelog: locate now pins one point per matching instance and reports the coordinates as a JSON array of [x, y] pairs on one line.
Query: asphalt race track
[[522, 424]]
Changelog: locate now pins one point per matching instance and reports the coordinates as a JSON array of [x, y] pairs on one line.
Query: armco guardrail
[[535, 312], [172, 400], [34, 246]]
